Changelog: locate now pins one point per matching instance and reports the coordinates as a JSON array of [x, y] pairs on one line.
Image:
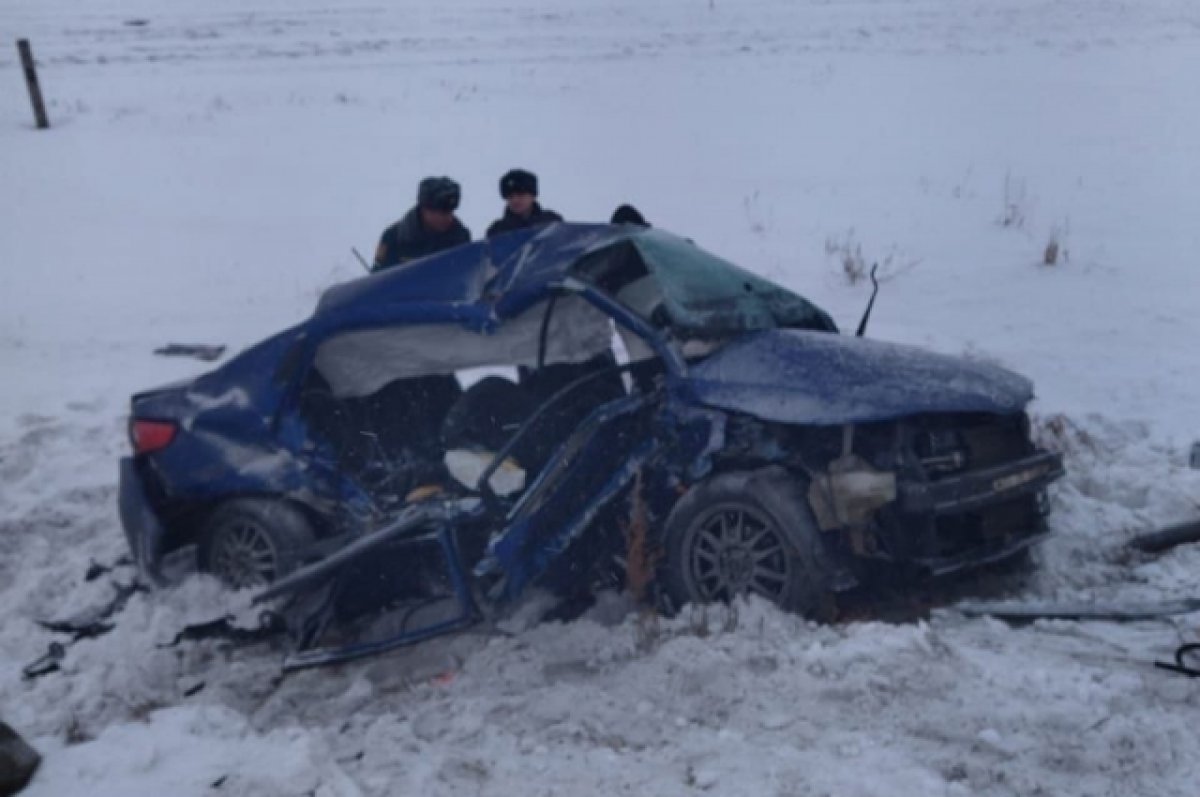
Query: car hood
[[801, 376]]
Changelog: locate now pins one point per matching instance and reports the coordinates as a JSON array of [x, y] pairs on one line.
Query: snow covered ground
[[212, 162]]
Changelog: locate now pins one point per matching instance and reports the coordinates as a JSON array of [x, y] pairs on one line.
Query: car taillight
[[148, 436]]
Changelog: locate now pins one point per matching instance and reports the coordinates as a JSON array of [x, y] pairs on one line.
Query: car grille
[[945, 446], [932, 448]]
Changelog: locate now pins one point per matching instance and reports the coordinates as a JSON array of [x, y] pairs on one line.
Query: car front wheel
[[747, 532], [250, 542]]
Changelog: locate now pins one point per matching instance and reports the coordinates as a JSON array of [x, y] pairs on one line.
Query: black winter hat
[[439, 193], [518, 181], [628, 214]]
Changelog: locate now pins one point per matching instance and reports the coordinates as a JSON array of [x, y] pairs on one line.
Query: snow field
[[208, 171]]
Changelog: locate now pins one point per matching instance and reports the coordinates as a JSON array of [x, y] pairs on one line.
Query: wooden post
[[31, 81]]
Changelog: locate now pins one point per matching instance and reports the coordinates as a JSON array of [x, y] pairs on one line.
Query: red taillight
[[148, 436]]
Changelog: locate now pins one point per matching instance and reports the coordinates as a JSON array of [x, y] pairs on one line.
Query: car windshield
[[672, 282]]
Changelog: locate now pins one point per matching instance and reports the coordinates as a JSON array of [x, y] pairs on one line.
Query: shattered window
[[706, 296]]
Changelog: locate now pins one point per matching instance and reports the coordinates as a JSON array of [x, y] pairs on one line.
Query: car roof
[[513, 270], [479, 285]]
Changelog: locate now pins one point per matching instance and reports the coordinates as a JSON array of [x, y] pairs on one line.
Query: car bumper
[[980, 488], [143, 529], [979, 556], [968, 520]]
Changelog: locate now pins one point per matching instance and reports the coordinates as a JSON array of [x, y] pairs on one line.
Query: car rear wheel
[[250, 542], [747, 532]]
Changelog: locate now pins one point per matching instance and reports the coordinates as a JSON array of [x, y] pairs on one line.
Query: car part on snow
[[47, 663], [1166, 538], [95, 569], [100, 619], [207, 353], [18, 761], [1181, 665], [86, 624], [94, 621], [270, 625], [1018, 612], [251, 542]]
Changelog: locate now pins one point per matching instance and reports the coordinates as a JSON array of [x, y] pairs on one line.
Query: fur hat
[[439, 193], [518, 181]]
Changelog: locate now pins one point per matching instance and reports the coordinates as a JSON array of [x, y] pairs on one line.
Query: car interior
[[406, 412]]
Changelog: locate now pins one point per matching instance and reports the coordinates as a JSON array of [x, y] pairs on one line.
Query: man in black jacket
[[519, 189], [429, 227]]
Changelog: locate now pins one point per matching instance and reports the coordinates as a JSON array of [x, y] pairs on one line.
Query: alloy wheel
[[243, 555], [733, 549]]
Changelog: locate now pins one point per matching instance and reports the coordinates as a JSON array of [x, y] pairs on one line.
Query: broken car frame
[[775, 455]]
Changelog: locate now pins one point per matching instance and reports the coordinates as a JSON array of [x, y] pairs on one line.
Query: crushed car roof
[[522, 262], [481, 283]]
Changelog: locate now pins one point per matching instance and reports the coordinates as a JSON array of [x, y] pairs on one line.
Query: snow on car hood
[[801, 376]]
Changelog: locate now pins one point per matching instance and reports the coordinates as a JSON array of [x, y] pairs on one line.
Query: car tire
[[250, 542], [747, 532]]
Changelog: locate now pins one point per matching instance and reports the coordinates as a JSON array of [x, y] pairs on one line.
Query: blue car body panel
[[143, 530], [801, 376], [475, 284], [241, 397], [593, 464], [229, 443]]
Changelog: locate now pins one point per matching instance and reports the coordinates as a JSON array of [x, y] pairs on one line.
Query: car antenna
[[361, 259], [862, 325]]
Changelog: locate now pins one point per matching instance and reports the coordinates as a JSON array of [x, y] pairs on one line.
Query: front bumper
[[143, 529], [980, 555], [980, 488], [970, 519]]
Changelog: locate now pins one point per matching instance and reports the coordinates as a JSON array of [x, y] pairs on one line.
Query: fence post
[[31, 81]]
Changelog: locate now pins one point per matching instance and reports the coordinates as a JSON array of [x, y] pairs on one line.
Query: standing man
[[519, 189], [429, 227]]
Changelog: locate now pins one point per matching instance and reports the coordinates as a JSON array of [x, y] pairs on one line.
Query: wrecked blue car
[[560, 408]]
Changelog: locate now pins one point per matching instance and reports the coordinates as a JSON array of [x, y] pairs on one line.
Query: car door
[[588, 470]]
